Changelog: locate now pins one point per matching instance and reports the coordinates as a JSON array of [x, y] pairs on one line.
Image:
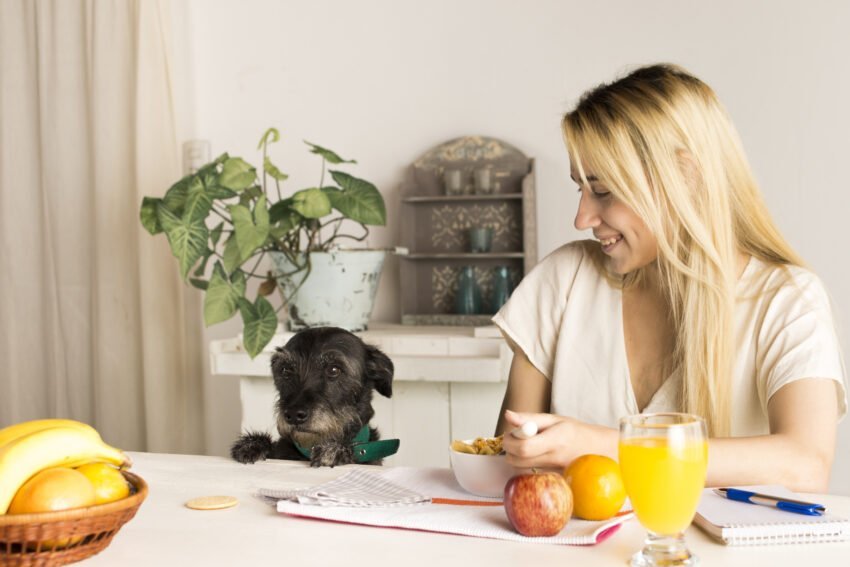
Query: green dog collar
[[365, 451]]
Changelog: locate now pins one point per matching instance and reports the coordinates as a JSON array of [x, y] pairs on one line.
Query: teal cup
[[480, 239]]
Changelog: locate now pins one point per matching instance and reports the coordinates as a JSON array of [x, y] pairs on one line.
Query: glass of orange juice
[[663, 459]]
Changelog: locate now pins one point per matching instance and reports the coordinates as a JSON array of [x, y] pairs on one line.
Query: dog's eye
[[333, 371]]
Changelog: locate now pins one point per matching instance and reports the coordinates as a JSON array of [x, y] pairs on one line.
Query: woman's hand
[[559, 440]]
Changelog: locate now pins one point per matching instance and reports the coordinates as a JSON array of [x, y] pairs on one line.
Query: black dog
[[324, 378]]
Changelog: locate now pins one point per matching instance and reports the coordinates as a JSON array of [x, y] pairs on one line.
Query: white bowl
[[482, 475]]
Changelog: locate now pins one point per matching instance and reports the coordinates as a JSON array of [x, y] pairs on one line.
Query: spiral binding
[[773, 534]]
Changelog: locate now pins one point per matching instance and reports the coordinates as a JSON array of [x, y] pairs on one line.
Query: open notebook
[[427, 499], [739, 523]]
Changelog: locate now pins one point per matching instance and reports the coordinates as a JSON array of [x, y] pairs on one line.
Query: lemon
[[109, 484], [598, 491], [53, 489]]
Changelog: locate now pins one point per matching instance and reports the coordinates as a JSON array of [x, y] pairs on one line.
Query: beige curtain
[[95, 323]]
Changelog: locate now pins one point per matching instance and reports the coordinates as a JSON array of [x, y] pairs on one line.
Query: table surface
[[165, 532]]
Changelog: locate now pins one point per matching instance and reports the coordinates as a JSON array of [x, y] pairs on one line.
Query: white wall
[[382, 81]]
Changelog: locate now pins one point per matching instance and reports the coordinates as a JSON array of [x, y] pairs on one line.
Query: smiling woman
[[688, 300]]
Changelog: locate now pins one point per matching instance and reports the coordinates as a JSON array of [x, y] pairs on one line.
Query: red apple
[[538, 504]]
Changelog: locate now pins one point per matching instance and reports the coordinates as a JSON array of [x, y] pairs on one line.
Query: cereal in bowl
[[480, 446]]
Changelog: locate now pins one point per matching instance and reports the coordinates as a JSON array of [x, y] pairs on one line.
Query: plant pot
[[338, 292]]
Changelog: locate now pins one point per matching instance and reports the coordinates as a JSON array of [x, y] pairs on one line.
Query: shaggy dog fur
[[324, 378]]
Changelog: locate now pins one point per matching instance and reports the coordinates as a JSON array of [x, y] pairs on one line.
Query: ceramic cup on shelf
[[484, 182], [480, 239], [453, 181]]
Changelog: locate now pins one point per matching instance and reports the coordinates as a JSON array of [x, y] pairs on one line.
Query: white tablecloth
[[166, 533]]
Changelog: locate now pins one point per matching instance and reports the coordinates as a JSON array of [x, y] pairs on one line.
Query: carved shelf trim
[[456, 198]]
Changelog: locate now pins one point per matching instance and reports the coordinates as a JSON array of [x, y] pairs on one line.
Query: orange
[[50, 490], [598, 491], [109, 484]]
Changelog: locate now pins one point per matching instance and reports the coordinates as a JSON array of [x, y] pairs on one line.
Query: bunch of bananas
[[32, 446]]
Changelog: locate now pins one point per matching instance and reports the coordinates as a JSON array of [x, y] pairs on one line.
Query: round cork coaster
[[212, 502]]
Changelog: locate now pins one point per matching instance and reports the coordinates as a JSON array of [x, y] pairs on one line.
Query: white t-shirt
[[568, 320]]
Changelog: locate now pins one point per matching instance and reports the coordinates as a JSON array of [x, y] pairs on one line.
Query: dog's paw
[[251, 447], [331, 454]]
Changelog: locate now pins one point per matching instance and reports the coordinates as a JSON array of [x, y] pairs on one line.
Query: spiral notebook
[[739, 523]]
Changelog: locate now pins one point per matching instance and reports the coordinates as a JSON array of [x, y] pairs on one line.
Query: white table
[[448, 384], [165, 533]]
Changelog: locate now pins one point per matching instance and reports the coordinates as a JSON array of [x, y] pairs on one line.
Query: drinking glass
[[663, 459]]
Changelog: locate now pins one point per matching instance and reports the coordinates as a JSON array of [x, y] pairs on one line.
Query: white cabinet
[[448, 384]]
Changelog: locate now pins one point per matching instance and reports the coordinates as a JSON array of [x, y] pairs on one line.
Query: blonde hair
[[662, 143]]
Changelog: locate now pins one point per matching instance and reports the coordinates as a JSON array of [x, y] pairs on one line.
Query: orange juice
[[664, 479]]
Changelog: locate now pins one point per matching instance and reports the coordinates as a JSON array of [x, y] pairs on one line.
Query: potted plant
[[224, 219]]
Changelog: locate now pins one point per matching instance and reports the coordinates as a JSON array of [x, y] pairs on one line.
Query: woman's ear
[[379, 371]]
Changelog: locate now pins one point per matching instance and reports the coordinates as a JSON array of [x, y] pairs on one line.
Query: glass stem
[[664, 550]]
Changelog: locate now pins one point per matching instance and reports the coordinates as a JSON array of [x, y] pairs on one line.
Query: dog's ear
[[379, 371]]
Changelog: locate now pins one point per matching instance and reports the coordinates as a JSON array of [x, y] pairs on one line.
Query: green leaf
[[250, 194], [147, 215], [283, 217], [330, 157], [175, 197], [270, 133], [280, 210], [359, 200], [216, 233], [220, 301], [202, 267], [231, 257], [272, 170], [260, 324], [187, 238], [198, 202], [206, 172], [200, 284], [286, 225], [237, 174], [311, 203], [251, 230], [214, 188]]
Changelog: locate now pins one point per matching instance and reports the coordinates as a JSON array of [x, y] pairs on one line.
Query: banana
[[8, 434], [54, 447]]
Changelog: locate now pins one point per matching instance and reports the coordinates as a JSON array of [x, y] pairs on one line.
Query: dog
[[324, 378]]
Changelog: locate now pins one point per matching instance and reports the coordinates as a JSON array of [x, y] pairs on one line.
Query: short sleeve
[[532, 316], [797, 338]]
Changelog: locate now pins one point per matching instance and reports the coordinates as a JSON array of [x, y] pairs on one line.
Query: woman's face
[[623, 235]]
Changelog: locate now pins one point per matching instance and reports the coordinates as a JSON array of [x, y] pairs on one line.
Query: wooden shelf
[[436, 228], [460, 198], [464, 256]]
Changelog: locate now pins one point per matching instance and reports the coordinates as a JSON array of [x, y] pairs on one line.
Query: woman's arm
[[528, 389], [797, 453]]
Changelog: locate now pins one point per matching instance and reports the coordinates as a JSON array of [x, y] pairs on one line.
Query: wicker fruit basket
[[31, 539]]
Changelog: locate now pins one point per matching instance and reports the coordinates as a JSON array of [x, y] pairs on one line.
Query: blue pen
[[786, 504]]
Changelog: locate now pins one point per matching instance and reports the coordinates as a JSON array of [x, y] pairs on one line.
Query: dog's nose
[[296, 418]]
